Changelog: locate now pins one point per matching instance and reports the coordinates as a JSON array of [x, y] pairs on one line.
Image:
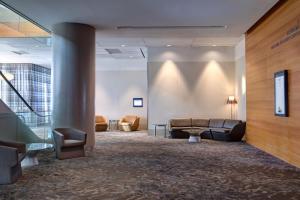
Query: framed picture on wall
[[281, 93], [137, 102]]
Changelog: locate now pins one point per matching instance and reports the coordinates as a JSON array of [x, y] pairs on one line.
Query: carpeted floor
[[137, 166]]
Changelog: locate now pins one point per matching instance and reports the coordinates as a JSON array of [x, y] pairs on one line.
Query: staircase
[[18, 120]]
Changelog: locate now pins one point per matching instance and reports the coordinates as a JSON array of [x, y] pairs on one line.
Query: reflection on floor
[[133, 165]]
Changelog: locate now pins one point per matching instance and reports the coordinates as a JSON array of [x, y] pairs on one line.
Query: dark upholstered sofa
[[217, 129]]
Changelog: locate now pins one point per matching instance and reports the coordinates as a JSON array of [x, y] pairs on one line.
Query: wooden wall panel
[[279, 136]]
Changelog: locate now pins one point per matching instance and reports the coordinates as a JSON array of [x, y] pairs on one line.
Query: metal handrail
[[20, 96]]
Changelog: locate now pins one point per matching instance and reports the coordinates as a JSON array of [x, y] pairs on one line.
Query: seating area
[[150, 100], [217, 129]]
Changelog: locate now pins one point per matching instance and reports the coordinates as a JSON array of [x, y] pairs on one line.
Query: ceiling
[[26, 50], [38, 50], [107, 15]]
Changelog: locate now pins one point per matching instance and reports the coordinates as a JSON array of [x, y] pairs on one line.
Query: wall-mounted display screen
[[137, 102], [281, 93]]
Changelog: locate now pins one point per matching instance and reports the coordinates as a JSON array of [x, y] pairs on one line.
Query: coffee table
[[32, 150], [194, 134], [113, 123]]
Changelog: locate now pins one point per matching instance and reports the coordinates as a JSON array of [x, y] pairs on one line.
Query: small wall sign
[[281, 93], [138, 102]]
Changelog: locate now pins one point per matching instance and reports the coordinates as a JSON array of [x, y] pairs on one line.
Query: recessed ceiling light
[[130, 56], [169, 45], [123, 45]]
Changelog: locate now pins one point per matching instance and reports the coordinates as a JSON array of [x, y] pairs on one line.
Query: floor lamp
[[231, 100]]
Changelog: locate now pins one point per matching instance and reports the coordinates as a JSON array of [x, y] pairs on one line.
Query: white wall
[[240, 78], [189, 82], [115, 89]]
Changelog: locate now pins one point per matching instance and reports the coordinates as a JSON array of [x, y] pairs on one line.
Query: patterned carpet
[[137, 166]]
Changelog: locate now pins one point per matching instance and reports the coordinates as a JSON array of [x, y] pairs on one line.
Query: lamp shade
[[231, 100]]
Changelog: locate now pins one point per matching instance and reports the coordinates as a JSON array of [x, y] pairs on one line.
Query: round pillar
[[74, 78]]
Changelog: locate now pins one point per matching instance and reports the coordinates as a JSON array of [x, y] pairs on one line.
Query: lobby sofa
[[100, 123], [69, 143], [11, 155], [129, 123], [216, 129]]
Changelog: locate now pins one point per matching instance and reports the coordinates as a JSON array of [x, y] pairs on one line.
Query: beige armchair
[[129, 123], [100, 123]]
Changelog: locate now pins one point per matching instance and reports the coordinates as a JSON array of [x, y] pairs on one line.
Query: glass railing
[[18, 119]]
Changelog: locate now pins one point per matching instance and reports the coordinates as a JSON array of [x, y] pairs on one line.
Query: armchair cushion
[[72, 143]]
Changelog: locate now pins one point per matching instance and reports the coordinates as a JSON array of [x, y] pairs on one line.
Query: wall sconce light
[[231, 100]]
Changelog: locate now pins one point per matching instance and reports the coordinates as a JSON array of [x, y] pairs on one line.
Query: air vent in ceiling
[[20, 52], [113, 51], [171, 27]]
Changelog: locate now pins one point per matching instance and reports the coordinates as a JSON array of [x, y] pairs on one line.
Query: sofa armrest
[[136, 123], [20, 146], [122, 120], [170, 125], [8, 156], [238, 131], [58, 138]]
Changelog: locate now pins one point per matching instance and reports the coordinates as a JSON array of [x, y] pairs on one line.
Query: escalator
[[19, 121]]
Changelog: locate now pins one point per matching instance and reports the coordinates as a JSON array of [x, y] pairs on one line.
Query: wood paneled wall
[[273, 45]]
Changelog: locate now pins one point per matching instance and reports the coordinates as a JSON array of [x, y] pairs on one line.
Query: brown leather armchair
[[69, 143], [129, 123], [100, 123], [11, 155]]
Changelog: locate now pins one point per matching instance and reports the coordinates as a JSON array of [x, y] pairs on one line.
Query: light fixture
[[169, 45], [231, 100], [123, 45], [214, 45]]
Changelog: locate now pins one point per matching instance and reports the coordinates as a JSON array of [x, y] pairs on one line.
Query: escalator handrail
[[20, 96]]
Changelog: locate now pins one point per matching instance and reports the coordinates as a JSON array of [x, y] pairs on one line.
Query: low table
[[160, 125], [32, 150], [194, 134], [113, 123]]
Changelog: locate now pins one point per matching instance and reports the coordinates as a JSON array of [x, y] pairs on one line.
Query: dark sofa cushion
[[181, 122], [216, 123], [200, 122], [229, 123], [221, 130]]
